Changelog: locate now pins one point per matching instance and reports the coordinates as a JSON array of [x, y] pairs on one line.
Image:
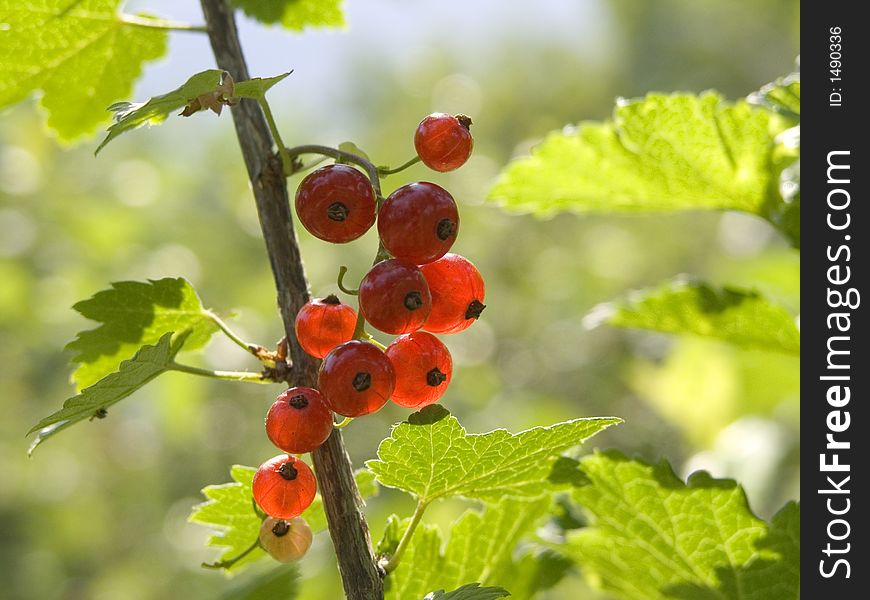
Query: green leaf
[[656, 538], [133, 314], [295, 14], [782, 96], [471, 591], [230, 510], [481, 549], [81, 54], [431, 456], [741, 317], [660, 153], [258, 86], [212, 86], [149, 362]]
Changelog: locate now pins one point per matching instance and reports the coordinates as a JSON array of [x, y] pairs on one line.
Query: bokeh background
[[100, 511]]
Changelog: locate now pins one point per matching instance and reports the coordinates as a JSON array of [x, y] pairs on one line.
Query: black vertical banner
[[834, 261]]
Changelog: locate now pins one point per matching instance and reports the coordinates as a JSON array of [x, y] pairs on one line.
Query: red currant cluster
[[420, 289]]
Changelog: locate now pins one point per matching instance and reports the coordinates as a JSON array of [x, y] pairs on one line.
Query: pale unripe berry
[[285, 540]]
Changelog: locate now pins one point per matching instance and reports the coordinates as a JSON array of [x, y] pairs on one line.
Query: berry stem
[[343, 423], [286, 160], [393, 562], [341, 273], [226, 564], [257, 350], [247, 376], [152, 23], [384, 171], [370, 169]]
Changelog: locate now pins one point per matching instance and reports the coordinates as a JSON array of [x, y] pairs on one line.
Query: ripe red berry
[[356, 379], [423, 369], [323, 324], [284, 540], [457, 294], [418, 222], [444, 142], [394, 297], [284, 487], [336, 203], [299, 421]]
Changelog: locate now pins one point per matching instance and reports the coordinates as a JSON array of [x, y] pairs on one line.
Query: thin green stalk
[[343, 423], [370, 169], [341, 273], [226, 375], [391, 564], [400, 168], [286, 162], [226, 564], [250, 348], [150, 23]]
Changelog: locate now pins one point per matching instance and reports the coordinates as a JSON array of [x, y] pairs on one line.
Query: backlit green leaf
[[82, 55], [659, 153], [431, 456], [132, 314], [657, 538], [211, 86], [149, 362], [740, 317], [481, 549], [295, 14]]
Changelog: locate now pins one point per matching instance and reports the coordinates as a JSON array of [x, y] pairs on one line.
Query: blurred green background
[[100, 511]]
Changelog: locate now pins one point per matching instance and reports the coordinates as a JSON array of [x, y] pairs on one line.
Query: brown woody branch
[[347, 525]]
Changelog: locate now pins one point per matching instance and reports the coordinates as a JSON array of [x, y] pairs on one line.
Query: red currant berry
[[336, 203], [356, 379], [284, 487], [299, 421], [285, 541], [423, 369], [418, 222], [444, 142], [457, 294], [323, 324], [394, 297]]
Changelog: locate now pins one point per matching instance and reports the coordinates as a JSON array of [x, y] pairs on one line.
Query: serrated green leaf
[[258, 86], [471, 591], [480, 549], [82, 54], [230, 510], [782, 96], [741, 317], [657, 538], [431, 456], [149, 362], [660, 153], [133, 314], [129, 116], [295, 14]]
